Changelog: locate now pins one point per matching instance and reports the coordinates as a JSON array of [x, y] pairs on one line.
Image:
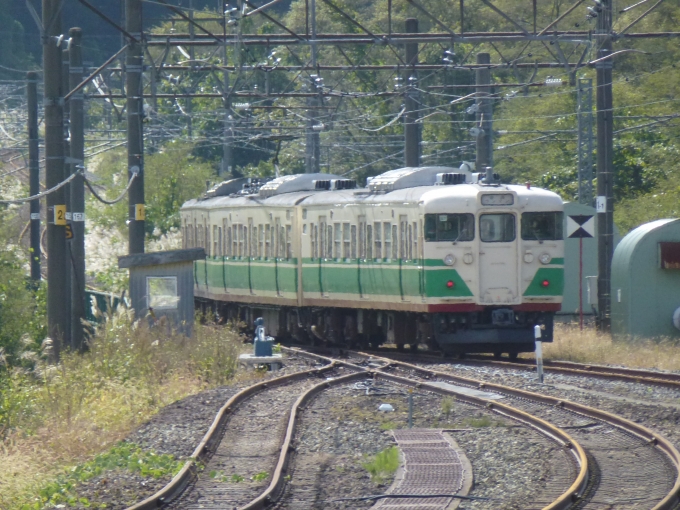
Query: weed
[[447, 406], [388, 425], [236, 478], [58, 415], [383, 465], [260, 477], [124, 456]]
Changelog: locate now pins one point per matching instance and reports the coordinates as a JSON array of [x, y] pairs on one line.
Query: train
[[439, 257]]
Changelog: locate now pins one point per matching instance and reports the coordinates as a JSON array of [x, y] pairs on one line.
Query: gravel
[[342, 429]]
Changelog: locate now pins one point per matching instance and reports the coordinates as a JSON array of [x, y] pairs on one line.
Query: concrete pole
[[484, 117], [605, 167], [312, 139], [77, 116], [227, 149], [411, 127], [68, 168], [135, 135], [58, 294], [34, 172]]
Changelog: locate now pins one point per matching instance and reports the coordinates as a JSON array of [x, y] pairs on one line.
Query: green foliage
[[447, 406], [172, 176], [22, 309], [383, 465], [260, 477], [122, 457]]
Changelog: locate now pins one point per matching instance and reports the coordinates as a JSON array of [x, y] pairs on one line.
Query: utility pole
[[189, 105], [312, 139], [227, 150], [411, 127], [57, 286], [34, 172], [484, 117], [77, 117], [68, 266], [605, 170], [585, 141], [135, 112]]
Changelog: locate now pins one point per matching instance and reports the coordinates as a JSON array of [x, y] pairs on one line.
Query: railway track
[[630, 466], [652, 377], [599, 456]]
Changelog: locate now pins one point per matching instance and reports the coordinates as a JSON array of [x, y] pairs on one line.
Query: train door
[[498, 275]]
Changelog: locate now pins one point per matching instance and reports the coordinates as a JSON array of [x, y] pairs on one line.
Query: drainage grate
[[431, 466]]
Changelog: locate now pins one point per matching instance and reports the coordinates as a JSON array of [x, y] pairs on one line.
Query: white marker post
[[539, 353]]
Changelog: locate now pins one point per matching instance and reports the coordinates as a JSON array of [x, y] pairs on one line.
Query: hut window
[[161, 292]]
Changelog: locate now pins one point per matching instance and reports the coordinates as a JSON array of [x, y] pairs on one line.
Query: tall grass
[[590, 346], [53, 416]]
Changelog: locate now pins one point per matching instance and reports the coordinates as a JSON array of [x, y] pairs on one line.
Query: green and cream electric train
[[427, 255]]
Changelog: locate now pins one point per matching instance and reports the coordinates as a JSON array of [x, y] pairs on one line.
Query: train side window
[[416, 253], [267, 241], [282, 242], [214, 239], [228, 241], [387, 251], [353, 242], [362, 237], [449, 227], [403, 236], [260, 241], [322, 237], [377, 230], [337, 253], [542, 226], [225, 244], [395, 244], [410, 242], [369, 242], [246, 243], [289, 242], [346, 241], [329, 242], [497, 228], [206, 229], [219, 244]]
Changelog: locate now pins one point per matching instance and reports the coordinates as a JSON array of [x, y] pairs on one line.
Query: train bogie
[[463, 267]]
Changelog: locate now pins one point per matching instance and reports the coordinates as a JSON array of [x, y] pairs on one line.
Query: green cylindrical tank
[[646, 282]]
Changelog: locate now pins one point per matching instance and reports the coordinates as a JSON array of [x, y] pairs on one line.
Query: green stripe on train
[[330, 277], [555, 278]]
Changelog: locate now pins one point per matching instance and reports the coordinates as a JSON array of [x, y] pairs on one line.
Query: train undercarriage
[[492, 330]]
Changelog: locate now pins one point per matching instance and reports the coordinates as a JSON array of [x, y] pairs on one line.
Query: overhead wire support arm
[[108, 20], [96, 73]]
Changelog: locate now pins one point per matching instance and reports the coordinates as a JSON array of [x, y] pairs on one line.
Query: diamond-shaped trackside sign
[[580, 226]]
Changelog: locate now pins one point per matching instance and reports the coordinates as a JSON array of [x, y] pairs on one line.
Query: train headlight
[[545, 258], [450, 259], [468, 258]]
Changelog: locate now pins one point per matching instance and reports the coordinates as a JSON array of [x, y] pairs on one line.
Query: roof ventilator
[[445, 179], [335, 184]]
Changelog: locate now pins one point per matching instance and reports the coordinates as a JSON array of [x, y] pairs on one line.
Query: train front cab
[[494, 273]]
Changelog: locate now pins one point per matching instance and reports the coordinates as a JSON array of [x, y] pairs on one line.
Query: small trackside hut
[[162, 285]]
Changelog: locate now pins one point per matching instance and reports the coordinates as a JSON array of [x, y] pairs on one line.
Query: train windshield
[[497, 228], [449, 227], [542, 226]]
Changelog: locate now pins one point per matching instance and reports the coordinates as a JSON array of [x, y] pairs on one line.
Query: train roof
[[398, 187], [431, 197]]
